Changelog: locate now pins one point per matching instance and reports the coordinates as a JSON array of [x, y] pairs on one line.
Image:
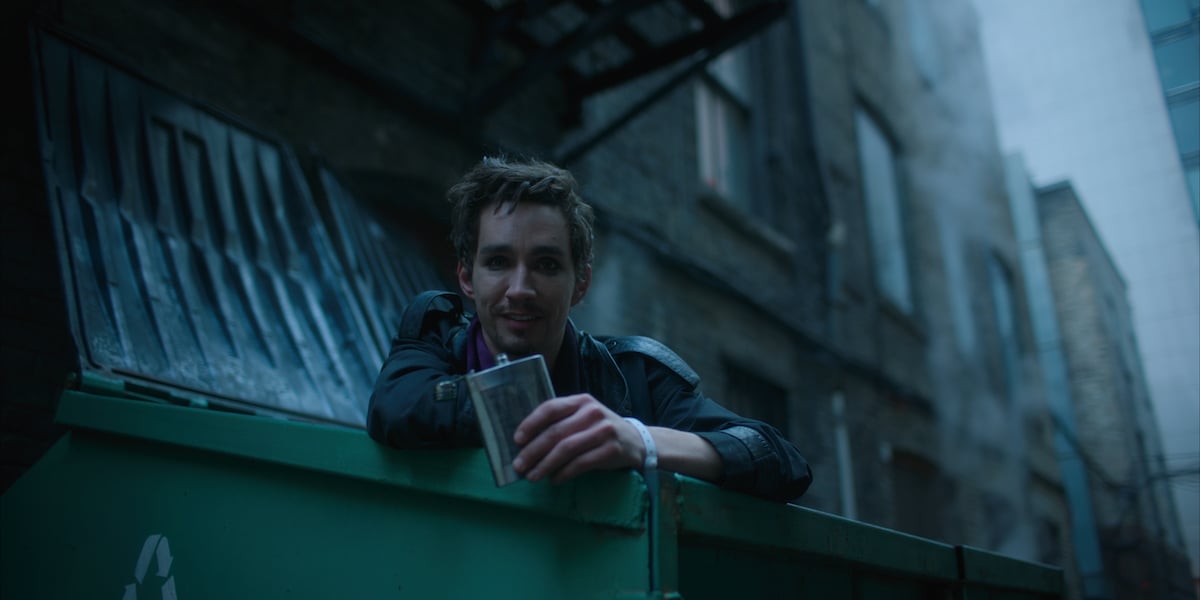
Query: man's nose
[[520, 285]]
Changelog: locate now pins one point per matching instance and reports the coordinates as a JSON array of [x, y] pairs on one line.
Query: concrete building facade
[[1174, 29], [1113, 434], [1083, 535]]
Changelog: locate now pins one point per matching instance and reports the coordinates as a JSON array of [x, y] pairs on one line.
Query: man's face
[[522, 279]]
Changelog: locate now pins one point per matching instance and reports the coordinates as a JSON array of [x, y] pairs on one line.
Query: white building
[[1076, 91]]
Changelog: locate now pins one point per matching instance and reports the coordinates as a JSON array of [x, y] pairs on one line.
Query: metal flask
[[503, 396]]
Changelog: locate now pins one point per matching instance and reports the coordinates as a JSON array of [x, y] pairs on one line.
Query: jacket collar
[[599, 371], [601, 374]]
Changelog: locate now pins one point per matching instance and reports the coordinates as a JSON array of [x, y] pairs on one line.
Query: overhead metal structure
[[591, 46], [595, 46]]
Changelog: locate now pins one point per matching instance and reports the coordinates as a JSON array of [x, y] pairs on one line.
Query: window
[[749, 395], [1185, 119], [1006, 323], [958, 286], [1192, 174], [881, 193], [917, 486], [1049, 542], [723, 123], [1178, 61], [1161, 14]]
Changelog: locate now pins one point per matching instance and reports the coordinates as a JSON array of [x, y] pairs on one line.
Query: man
[[524, 242]]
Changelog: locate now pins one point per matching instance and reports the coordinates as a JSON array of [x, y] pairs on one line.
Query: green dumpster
[[990, 576], [148, 500], [144, 497]]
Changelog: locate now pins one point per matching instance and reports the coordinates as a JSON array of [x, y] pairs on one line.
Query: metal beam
[[721, 36], [732, 32], [550, 58], [585, 145]]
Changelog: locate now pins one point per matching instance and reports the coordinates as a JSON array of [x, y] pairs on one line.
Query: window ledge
[[748, 225], [906, 320]]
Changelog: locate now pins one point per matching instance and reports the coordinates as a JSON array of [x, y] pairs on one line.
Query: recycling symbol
[[157, 549]]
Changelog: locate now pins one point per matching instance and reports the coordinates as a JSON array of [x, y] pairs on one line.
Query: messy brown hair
[[501, 181]]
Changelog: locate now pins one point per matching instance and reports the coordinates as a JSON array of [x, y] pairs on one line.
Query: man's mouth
[[521, 318]]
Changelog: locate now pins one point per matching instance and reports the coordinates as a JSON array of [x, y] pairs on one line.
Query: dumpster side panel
[[83, 523], [713, 570], [782, 551], [990, 576]]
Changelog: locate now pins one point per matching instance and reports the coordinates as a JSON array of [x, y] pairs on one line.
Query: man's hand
[[567, 436], [570, 435]]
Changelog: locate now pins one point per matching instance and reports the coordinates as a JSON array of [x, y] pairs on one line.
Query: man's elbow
[[389, 426], [377, 425], [796, 485]]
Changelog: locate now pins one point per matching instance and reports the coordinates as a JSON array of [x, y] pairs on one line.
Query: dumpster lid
[[198, 260]]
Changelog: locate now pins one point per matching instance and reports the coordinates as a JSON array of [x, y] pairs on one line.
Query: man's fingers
[[571, 448], [600, 457], [551, 437], [547, 413], [567, 436]]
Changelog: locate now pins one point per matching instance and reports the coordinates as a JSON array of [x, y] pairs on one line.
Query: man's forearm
[[687, 454]]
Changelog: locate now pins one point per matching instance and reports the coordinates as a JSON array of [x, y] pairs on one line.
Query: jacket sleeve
[[419, 400], [757, 459]]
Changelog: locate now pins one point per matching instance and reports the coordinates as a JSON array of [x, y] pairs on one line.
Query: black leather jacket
[[420, 398]]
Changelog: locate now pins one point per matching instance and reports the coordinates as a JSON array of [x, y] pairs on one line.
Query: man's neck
[[482, 352]]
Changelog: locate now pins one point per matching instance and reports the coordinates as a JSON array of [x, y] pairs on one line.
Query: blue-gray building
[[1078, 94], [1174, 27]]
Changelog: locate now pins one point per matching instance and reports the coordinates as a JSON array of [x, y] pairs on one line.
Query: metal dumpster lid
[[198, 260]]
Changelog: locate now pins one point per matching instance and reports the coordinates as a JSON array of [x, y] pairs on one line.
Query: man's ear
[[581, 286], [464, 281]]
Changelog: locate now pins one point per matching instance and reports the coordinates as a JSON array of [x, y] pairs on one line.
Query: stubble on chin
[[513, 346]]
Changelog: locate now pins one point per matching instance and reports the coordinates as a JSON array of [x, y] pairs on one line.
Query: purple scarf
[[479, 357], [564, 375]]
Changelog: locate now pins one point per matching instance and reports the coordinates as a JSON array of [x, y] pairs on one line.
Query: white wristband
[[651, 462]]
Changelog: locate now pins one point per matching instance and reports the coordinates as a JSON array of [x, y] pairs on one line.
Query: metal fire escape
[[594, 46], [590, 46]]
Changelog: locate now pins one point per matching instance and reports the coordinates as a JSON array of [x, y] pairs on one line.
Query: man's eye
[[495, 262], [548, 265]]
